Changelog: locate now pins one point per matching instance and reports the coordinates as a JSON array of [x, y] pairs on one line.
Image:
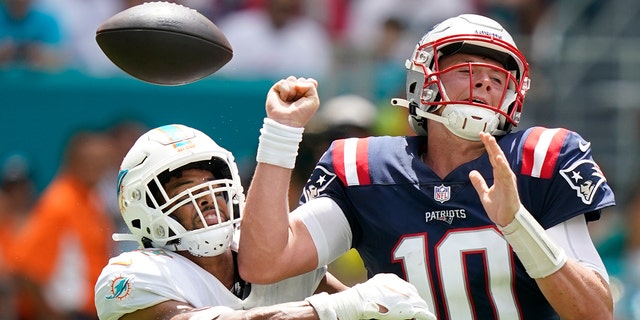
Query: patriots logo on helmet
[[320, 179], [585, 177]]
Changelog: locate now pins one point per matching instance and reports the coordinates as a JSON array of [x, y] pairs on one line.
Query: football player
[[181, 197], [486, 222]]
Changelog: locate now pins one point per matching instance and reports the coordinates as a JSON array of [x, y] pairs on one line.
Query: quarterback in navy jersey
[[486, 222], [441, 222]]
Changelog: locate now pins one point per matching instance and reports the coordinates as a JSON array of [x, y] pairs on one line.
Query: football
[[164, 43]]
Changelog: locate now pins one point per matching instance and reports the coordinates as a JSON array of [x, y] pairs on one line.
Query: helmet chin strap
[[413, 109], [457, 120]]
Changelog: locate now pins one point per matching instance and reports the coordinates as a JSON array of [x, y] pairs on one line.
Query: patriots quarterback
[[487, 222]]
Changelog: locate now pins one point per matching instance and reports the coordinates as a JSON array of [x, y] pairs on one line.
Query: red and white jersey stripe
[[541, 151], [351, 161]]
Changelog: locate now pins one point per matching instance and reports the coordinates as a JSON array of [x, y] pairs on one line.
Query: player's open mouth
[[210, 216]]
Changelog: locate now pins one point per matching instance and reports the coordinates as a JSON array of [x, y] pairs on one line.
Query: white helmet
[[145, 206], [471, 34]]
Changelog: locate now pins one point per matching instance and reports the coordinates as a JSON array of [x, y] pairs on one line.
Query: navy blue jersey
[[435, 233]]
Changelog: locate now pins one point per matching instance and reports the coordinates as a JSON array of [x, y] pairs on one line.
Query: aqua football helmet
[[470, 34], [147, 208]]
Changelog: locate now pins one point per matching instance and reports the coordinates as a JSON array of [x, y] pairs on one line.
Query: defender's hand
[[385, 296], [388, 297]]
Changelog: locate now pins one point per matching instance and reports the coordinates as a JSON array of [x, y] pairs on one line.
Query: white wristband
[[278, 144], [537, 252]]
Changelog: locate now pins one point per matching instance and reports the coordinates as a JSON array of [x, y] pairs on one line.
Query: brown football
[[164, 43]]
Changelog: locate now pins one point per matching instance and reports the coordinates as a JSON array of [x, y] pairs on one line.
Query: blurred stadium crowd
[[54, 236]]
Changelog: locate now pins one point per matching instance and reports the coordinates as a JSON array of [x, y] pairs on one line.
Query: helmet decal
[[172, 134], [121, 175]]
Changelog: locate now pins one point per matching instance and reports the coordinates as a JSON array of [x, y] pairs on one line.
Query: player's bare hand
[[501, 200], [293, 101]]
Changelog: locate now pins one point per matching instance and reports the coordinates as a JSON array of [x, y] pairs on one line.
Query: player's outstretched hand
[[293, 101], [385, 296], [501, 200]]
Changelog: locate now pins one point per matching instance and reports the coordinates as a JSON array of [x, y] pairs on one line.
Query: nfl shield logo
[[442, 193]]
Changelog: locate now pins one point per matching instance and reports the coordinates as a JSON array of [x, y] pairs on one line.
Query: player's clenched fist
[[293, 101], [290, 104], [385, 296]]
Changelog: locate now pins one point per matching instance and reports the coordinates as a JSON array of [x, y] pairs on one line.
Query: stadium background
[[586, 77], [41, 111]]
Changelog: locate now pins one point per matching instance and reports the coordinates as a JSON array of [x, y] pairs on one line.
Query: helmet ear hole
[[412, 87]]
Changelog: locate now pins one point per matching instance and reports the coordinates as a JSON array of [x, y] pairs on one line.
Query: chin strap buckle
[[415, 111], [412, 108]]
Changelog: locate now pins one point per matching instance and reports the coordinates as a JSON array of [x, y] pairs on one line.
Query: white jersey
[[143, 278]]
